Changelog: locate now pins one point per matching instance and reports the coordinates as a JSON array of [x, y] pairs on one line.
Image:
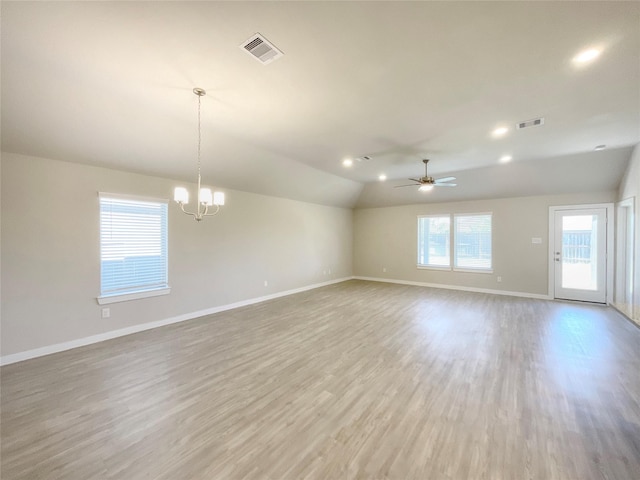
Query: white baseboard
[[81, 342], [457, 287]]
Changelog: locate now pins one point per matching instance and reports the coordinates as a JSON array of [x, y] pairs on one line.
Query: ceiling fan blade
[[410, 185], [445, 179], [416, 180], [445, 184]]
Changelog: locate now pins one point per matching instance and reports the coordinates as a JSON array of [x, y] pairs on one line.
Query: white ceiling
[[110, 83]]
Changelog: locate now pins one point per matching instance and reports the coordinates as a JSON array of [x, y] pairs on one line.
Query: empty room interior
[[320, 240]]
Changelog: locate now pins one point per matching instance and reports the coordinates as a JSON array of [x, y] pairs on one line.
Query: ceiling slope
[[595, 171]]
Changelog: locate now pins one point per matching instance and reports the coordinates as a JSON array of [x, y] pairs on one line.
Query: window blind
[[133, 245], [472, 240]]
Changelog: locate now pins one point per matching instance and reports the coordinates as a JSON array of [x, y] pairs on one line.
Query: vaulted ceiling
[[110, 84]]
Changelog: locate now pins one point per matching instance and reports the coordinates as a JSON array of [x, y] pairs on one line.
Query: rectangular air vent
[[530, 123], [261, 49]]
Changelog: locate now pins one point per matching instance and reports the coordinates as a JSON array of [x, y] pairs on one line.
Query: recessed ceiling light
[[425, 188], [600, 147], [347, 162], [505, 158], [382, 177], [586, 56], [500, 131]]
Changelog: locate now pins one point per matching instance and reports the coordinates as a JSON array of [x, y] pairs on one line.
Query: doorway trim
[[625, 255], [610, 246]]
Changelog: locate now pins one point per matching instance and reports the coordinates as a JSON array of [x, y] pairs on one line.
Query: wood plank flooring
[[359, 380]]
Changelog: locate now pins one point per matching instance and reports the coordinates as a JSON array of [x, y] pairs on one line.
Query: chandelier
[[205, 198]]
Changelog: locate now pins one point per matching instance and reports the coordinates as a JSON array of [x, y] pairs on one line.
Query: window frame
[[141, 291], [427, 266], [452, 244]]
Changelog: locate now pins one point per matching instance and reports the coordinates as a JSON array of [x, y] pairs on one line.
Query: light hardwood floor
[[359, 380]]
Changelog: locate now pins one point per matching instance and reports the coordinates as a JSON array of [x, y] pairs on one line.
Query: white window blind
[[133, 245], [472, 241], [434, 241]]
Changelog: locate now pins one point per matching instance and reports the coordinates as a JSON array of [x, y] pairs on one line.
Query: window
[[468, 249], [133, 248], [433, 241], [472, 235]]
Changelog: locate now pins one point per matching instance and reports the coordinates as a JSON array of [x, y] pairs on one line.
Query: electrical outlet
[[106, 312], [499, 279], [329, 271], [384, 269], [266, 284]]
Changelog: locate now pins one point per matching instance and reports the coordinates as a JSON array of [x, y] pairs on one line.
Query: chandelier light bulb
[[218, 198], [181, 195], [206, 197]]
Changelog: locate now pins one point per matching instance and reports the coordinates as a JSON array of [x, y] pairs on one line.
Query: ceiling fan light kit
[[426, 183], [206, 198]]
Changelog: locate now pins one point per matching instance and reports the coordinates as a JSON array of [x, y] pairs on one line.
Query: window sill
[[125, 297], [455, 269], [473, 270], [434, 267]]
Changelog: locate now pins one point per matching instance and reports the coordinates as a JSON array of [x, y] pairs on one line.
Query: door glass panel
[[580, 252]]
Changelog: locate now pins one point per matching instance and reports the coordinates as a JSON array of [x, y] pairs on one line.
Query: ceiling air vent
[[530, 123], [261, 49]]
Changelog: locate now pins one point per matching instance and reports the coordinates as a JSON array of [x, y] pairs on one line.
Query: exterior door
[[580, 254]]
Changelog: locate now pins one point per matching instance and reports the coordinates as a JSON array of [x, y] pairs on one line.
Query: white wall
[[387, 238], [50, 251], [630, 188]]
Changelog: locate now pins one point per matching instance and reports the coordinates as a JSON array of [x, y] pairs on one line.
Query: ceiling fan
[[427, 183]]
